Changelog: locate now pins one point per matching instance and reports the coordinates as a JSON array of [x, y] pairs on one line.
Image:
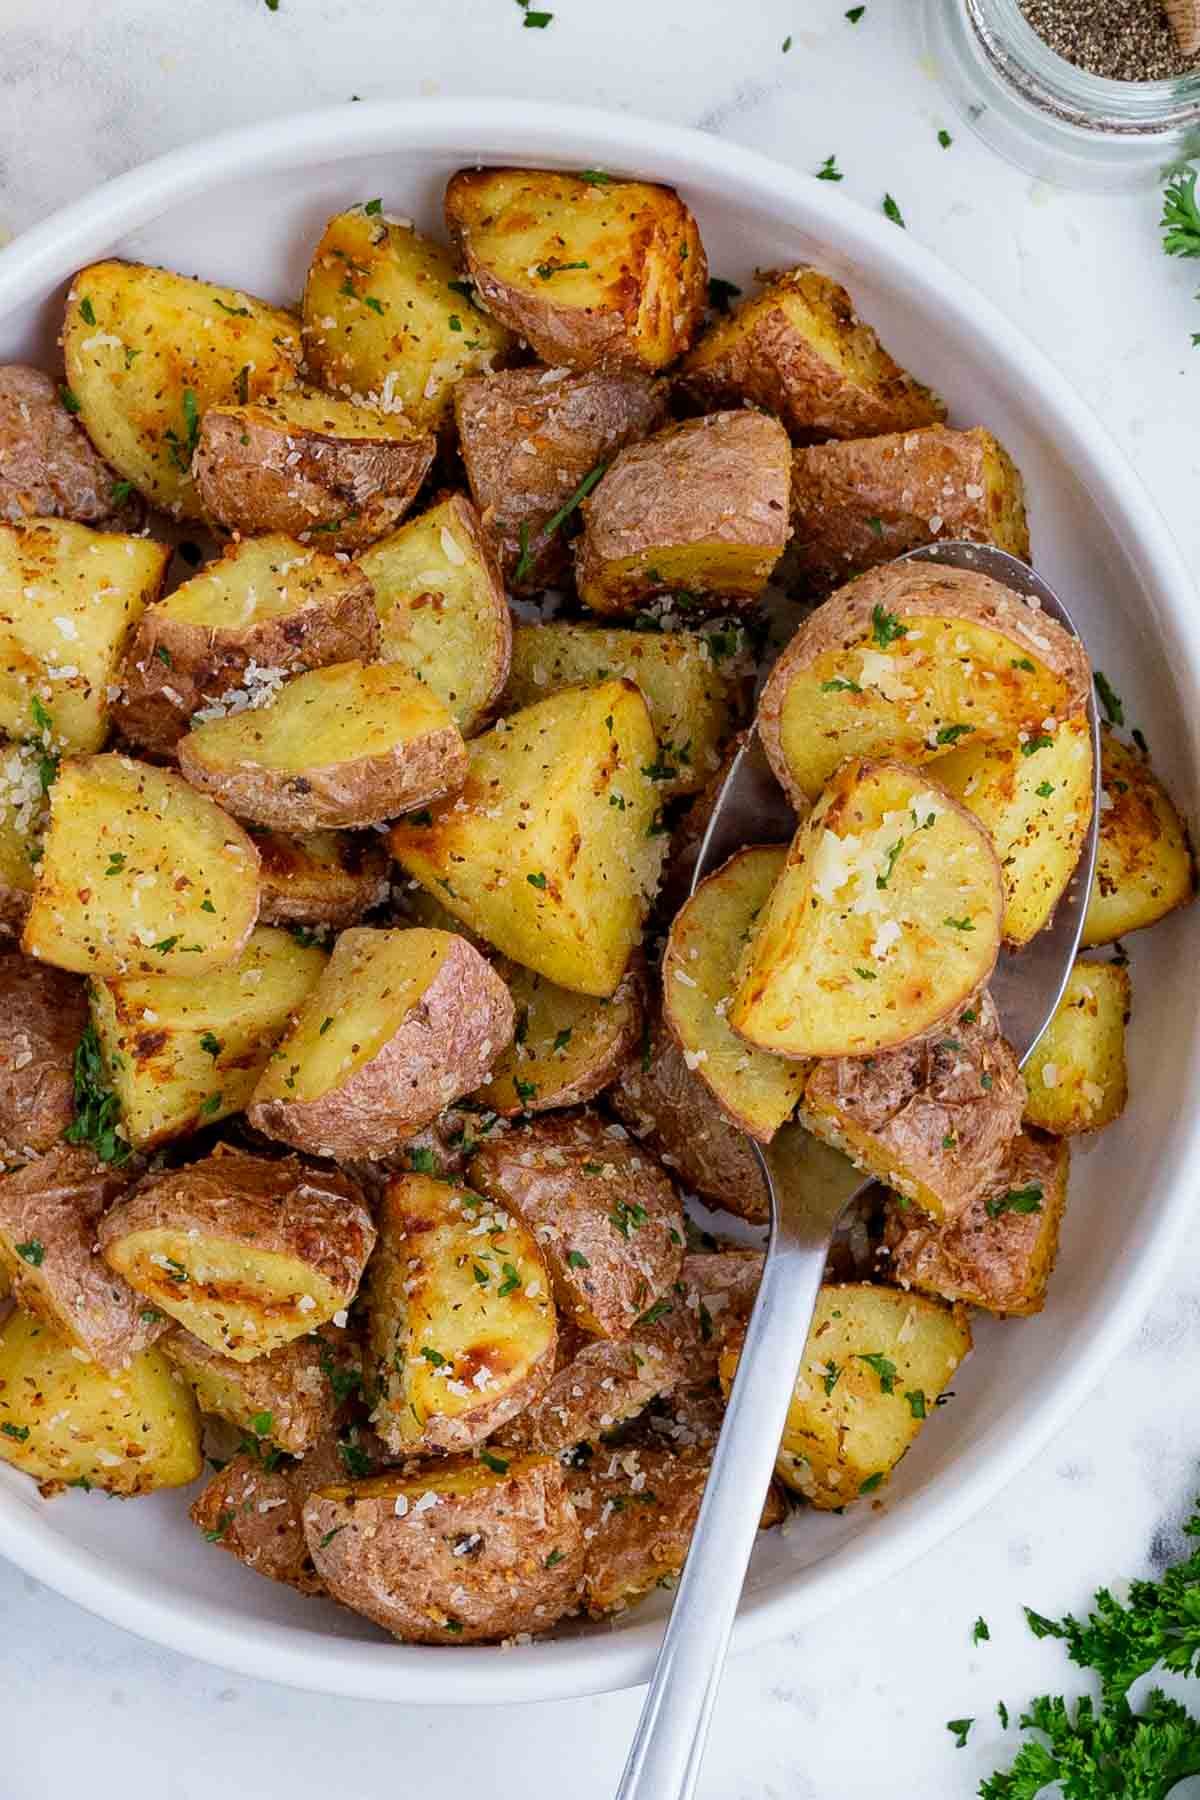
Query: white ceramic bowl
[[246, 208]]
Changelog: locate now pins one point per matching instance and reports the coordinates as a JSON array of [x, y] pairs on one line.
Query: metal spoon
[[810, 1187]]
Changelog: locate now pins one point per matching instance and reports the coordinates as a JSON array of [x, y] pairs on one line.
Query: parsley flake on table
[[961, 1729], [944, 138], [829, 170], [979, 1631], [892, 211]]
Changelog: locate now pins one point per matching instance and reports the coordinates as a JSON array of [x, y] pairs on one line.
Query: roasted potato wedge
[[462, 1327], [606, 1218], [1035, 801], [1000, 1252], [531, 440], [48, 1215], [392, 1548], [319, 877], [885, 918], [48, 468], [799, 349], [44, 1013], [284, 1399], [1076, 1072], [605, 1383], [701, 507], [72, 1423], [23, 815], [139, 874], [253, 1507], [593, 274], [566, 1047], [909, 660], [669, 1108], [442, 609], [387, 320], [699, 969], [225, 640], [304, 462], [874, 1365], [148, 352], [1144, 866], [350, 744], [638, 1510], [859, 503], [182, 1053], [69, 598], [693, 702], [547, 852], [400, 1024], [246, 1253], [934, 1119]]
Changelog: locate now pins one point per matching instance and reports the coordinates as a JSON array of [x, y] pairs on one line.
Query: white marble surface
[[855, 1707]]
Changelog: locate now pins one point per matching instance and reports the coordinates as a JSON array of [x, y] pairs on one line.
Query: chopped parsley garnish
[[883, 1367], [838, 686], [871, 1483], [653, 1313], [787, 44], [1017, 1200], [960, 1728], [87, 311], [212, 1046], [120, 492], [210, 1106], [526, 1090], [1110, 700], [32, 1251], [553, 1560], [536, 881], [720, 293], [562, 1038], [496, 1464], [595, 177], [979, 1631], [329, 1536], [175, 1271], [950, 734], [263, 1424], [355, 1460], [342, 1381], [433, 1356], [1044, 789], [183, 448], [577, 1260], [959, 924], [97, 1109], [876, 525], [67, 397], [832, 1376], [512, 1280], [422, 1161], [547, 270], [855, 14], [866, 974], [894, 850], [892, 211], [20, 1432], [829, 170], [372, 208], [916, 1402], [1032, 745], [886, 627], [627, 1217], [235, 312], [165, 944], [116, 862], [944, 138]]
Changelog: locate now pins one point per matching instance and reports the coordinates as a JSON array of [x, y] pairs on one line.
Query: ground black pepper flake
[[1124, 40]]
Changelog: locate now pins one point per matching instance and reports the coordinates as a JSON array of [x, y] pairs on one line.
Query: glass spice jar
[[1046, 115]]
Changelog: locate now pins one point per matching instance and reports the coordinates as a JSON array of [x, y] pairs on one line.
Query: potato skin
[[587, 1193], [799, 349], [350, 476], [602, 1385], [667, 1107], [1144, 863], [642, 293], [436, 1052], [176, 667], [44, 1012], [701, 506], [1008, 703], [528, 439], [48, 468], [286, 1209], [290, 1386], [539, 1071], [858, 503], [934, 1119], [520, 1572], [54, 1204], [319, 878], [991, 1255]]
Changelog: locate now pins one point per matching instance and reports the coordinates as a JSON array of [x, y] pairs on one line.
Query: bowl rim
[[524, 131]]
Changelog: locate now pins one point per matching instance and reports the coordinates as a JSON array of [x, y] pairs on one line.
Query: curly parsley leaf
[[97, 1109]]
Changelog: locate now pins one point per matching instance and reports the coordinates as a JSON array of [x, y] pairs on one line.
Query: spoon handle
[[664, 1761]]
